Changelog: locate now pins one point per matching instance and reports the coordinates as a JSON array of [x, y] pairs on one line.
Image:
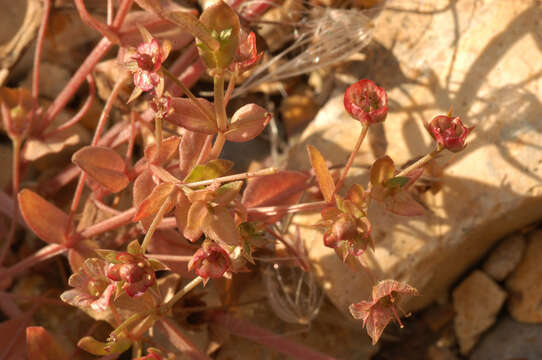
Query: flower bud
[[135, 270], [366, 102], [210, 261], [449, 132]]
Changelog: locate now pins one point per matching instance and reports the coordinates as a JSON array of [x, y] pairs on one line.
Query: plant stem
[[15, 180], [180, 342], [246, 175], [39, 49], [157, 218], [190, 95], [220, 108], [264, 337], [418, 164], [286, 209], [218, 145], [158, 133], [42, 254], [185, 290], [229, 90], [109, 224], [363, 133]]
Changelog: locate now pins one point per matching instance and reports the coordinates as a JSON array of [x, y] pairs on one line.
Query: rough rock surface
[[525, 283], [482, 58], [510, 340], [506, 256], [477, 300]]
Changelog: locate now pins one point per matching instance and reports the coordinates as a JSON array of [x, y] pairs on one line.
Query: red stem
[[39, 49], [264, 337], [81, 113], [180, 341], [75, 82], [112, 223], [42, 254], [362, 134]]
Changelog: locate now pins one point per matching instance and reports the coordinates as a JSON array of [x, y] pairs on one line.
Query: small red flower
[[376, 314], [135, 271], [210, 261], [449, 132], [366, 102], [247, 54], [348, 229], [146, 65]]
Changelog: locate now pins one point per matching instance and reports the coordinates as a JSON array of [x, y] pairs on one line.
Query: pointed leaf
[[47, 221], [154, 201], [41, 345], [37, 148], [181, 211], [211, 170], [247, 123], [382, 170], [188, 115], [275, 189], [104, 165], [325, 181]]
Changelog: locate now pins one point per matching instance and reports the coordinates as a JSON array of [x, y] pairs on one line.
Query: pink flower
[[92, 289], [146, 65], [449, 132], [247, 54], [376, 314], [366, 102], [135, 271], [210, 261]]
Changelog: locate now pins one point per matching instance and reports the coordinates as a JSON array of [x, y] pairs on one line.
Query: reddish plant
[[188, 214]]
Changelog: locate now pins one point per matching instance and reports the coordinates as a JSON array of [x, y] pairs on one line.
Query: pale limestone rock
[[504, 259], [477, 300], [525, 283], [490, 189]]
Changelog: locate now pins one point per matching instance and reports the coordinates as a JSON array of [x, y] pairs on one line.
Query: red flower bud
[[210, 261], [449, 132], [135, 270], [366, 102]]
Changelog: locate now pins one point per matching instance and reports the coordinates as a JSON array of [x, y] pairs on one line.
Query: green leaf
[[211, 170], [325, 181], [382, 170], [398, 181]]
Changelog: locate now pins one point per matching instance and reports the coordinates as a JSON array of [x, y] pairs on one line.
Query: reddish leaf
[[42, 346], [191, 117], [247, 123], [104, 165], [47, 221], [167, 150], [219, 225], [143, 186], [325, 181], [276, 189], [154, 201], [164, 175], [181, 211], [12, 339], [191, 146]]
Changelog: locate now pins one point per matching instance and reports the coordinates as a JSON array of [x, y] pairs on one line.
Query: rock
[[505, 257], [490, 189], [477, 300], [525, 283], [440, 353], [510, 340]]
